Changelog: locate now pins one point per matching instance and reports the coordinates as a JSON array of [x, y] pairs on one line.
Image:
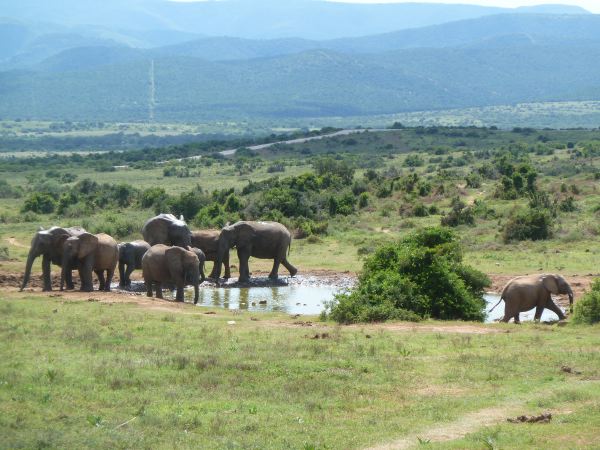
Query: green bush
[[532, 224], [460, 214], [39, 202], [587, 309], [421, 276]]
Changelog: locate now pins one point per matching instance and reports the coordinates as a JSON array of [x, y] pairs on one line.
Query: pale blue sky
[[590, 5]]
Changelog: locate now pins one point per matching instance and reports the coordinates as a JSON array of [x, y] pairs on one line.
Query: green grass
[[80, 374]]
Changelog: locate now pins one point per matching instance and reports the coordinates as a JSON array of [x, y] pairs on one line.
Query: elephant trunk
[[30, 258], [65, 266]]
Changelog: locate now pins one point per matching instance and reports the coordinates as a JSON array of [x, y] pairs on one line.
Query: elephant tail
[[494, 307]]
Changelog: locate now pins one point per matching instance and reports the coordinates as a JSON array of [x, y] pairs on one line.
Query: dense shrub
[[421, 276], [587, 309], [39, 202], [460, 214], [532, 224], [7, 191]]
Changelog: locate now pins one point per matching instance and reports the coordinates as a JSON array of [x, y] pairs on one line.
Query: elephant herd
[[170, 254]]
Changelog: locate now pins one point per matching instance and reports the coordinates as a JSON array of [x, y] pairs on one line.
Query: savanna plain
[[118, 370]]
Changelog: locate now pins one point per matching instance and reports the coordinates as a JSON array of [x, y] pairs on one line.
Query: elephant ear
[[87, 244], [174, 261], [549, 282]]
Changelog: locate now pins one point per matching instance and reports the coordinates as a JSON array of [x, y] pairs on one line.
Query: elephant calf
[[130, 259], [165, 264], [524, 293], [91, 252]]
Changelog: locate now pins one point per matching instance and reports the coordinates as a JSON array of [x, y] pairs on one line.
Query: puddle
[[306, 300], [498, 313]]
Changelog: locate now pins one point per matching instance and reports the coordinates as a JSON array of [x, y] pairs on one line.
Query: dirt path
[[467, 424], [12, 241]]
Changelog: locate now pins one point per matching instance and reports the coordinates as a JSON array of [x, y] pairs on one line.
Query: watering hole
[[306, 295]]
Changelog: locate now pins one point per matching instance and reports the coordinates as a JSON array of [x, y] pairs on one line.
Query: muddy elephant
[[265, 240], [164, 264], [208, 242], [92, 252], [168, 230], [130, 259], [49, 244], [524, 293]]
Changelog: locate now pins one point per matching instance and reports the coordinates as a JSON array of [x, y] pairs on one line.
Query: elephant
[[524, 293], [208, 242], [49, 244], [171, 264], [265, 240], [130, 259], [93, 252], [168, 230]]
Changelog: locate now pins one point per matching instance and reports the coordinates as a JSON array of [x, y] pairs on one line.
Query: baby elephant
[[165, 264], [524, 293], [130, 259]]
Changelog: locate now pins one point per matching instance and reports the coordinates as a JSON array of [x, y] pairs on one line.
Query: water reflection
[[288, 299]]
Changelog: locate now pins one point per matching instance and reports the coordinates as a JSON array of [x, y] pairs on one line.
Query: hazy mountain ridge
[[314, 83]]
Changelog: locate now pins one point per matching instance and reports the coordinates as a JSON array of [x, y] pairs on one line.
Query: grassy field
[[98, 374]]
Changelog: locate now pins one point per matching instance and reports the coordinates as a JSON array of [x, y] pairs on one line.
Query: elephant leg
[[179, 294], [85, 274], [69, 279], [274, 270], [110, 273], [517, 319], [539, 310], [506, 318], [101, 280], [128, 272], [46, 273], [227, 275], [293, 271], [158, 288], [122, 276], [244, 268], [554, 307], [148, 287]]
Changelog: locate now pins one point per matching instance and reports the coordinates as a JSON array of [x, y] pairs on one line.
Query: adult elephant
[[49, 244], [265, 240], [524, 293], [92, 252], [208, 242], [171, 264], [168, 230], [130, 259]]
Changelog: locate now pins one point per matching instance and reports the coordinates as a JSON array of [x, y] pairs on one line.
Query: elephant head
[[230, 237], [556, 284], [78, 248], [168, 230], [50, 244], [184, 266]]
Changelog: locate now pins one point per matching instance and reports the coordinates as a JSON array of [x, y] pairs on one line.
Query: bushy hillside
[[309, 84]]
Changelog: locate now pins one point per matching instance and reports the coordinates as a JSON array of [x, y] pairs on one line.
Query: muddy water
[[498, 312]]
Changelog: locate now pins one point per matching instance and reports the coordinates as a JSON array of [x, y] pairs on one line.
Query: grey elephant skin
[[168, 230], [524, 293], [130, 259], [49, 244], [164, 264], [208, 242], [92, 252], [264, 240]]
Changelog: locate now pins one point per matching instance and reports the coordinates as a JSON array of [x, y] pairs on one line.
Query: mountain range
[[73, 71]]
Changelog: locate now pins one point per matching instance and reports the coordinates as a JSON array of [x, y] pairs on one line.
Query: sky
[[590, 5]]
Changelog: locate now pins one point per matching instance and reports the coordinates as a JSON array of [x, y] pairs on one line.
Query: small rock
[[254, 319], [262, 302], [231, 322], [210, 312], [55, 311]]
